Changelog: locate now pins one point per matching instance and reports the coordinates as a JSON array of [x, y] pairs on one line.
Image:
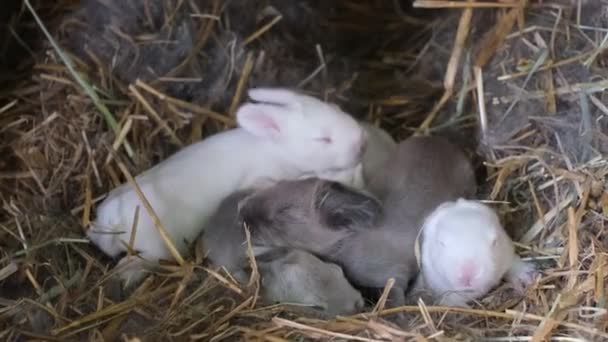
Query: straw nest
[[520, 82]]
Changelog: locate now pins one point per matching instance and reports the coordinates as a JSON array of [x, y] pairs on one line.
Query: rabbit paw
[[521, 274], [131, 270], [455, 300]]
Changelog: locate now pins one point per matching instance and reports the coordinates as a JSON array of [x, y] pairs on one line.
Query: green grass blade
[[108, 117]]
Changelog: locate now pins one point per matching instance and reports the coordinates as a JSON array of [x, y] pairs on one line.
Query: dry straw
[[538, 64]]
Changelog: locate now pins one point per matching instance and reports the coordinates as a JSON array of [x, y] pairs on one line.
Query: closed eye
[[324, 140], [284, 209]]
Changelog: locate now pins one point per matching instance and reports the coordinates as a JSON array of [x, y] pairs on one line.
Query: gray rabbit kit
[[312, 214], [290, 274], [422, 173], [296, 276], [371, 243], [370, 236]]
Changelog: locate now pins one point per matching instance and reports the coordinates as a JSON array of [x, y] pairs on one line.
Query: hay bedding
[[174, 71]]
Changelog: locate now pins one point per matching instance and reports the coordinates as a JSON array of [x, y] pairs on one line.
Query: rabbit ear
[[279, 96], [261, 120], [341, 207], [271, 254]]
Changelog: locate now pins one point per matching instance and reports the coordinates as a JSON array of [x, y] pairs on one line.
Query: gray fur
[[224, 241], [311, 213], [287, 274], [423, 173], [372, 244], [294, 275]]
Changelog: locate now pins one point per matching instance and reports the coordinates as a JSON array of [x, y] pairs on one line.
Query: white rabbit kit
[[466, 252], [285, 136]]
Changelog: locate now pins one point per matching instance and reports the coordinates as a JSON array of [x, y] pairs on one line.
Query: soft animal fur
[[295, 276], [380, 146], [466, 252], [224, 240], [313, 214], [421, 174], [289, 136], [288, 274]]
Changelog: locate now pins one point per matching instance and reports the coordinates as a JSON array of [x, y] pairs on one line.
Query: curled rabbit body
[[420, 174], [287, 274], [370, 242], [295, 276], [285, 136], [466, 252]]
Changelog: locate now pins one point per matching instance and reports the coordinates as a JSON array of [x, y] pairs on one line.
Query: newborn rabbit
[[287, 274], [311, 214], [422, 173], [380, 145], [309, 203], [295, 276], [466, 252], [288, 137], [223, 241], [419, 175], [371, 248]]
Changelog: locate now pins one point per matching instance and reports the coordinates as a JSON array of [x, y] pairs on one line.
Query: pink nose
[[467, 273]]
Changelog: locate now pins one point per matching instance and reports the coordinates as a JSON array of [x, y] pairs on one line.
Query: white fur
[[463, 230], [380, 145], [275, 140]]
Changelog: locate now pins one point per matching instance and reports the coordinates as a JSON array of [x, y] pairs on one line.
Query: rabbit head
[[313, 135]]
